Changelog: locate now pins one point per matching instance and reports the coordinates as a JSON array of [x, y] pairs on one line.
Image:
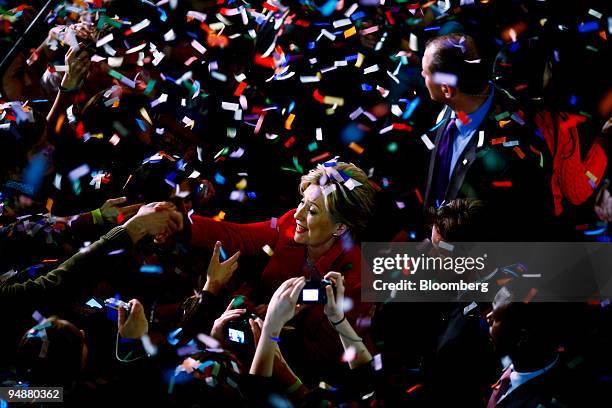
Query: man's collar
[[476, 117]]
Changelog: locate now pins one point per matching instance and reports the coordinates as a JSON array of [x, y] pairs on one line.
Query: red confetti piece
[[289, 142], [317, 95], [320, 157], [240, 88], [390, 17], [519, 152], [266, 62], [418, 195], [413, 388], [498, 140], [463, 117], [270, 7], [402, 126], [505, 184]]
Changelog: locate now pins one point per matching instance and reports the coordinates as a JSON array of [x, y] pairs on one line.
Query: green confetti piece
[[115, 74], [150, 87], [502, 115], [392, 147], [299, 168], [575, 362], [313, 146], [347, 267]]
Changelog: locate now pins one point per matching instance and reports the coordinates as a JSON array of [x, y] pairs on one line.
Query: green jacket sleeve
[[62, 281]]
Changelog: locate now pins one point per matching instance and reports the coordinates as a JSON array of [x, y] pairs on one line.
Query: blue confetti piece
[[93, 303], [596, 231], [412, 235], [3, 404], [172, 336], [141, 125], [413, 105], [219, 178], [252, 195], [151, 269], [366, 87], [573, 100], [588, 27], [162, 14], [356, 16], [223, 255], [433, 28]]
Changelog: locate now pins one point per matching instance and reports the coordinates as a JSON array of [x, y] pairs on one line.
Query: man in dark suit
[[539, 374], [483, 147]]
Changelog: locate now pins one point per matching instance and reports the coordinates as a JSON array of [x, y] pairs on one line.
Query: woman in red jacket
[[311, 240]]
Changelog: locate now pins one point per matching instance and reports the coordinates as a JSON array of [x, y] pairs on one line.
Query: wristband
[[97, 216], [294, 387], [68, 91], [338, 322]]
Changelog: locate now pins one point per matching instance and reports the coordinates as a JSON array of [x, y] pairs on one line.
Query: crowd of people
[[180, 178]]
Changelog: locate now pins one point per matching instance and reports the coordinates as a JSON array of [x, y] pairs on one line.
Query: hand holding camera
[[218, 330], [334, 305], [132, 323], [281, 308]]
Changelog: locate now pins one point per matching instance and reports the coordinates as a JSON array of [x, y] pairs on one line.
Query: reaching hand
[[333, 308], [111, 212], [136, 325], [219, 324], [157, 219], [281, 308], [219, 273], [603, 208], [78, 66]]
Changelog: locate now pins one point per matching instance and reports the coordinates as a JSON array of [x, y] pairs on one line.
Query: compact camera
[[314, 291], [238, 331]]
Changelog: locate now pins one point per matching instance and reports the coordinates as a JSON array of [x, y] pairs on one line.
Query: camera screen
[[310, 295], [236, 336]]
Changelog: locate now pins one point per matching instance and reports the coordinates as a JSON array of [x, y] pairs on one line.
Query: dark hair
[[523, 314], [460, 220], [457, 54], [50, 354]]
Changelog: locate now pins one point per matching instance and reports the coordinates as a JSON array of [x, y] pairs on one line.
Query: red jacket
[[573, 178], [288, 261]]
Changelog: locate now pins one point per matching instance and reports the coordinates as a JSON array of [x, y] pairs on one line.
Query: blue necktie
[[443, 160]]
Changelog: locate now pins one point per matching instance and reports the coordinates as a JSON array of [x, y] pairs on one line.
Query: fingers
[[121, 320], [233, 258], [116, 201], [216, 252], [333, 276], [297, 288], [229, 307], [229, 315], [130, 210], [136, 307], [256, 329], [331, 301]]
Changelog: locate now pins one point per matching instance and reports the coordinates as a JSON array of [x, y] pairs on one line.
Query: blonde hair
[[351, 207]]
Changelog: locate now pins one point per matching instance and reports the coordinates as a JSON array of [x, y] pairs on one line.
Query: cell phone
[[314, 291], [116, 304]]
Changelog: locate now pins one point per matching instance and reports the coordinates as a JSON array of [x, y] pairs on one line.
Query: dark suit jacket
[[513, 179]]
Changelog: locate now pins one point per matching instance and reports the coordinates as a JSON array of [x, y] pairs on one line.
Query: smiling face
[[314, 224]]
